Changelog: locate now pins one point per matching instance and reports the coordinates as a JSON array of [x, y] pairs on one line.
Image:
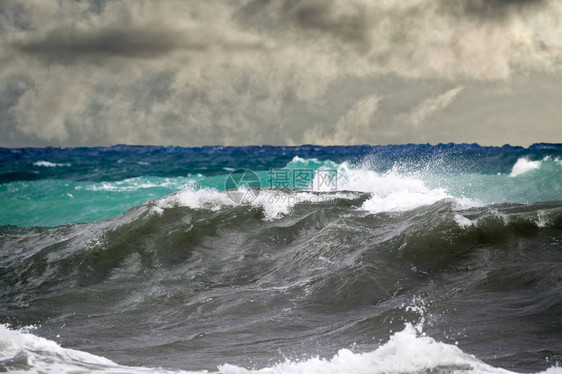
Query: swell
[[333, 274], [168, 237]]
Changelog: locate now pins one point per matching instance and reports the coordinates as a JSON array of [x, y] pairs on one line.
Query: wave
[[275, 203], [389, 192], [168, 232], [23, 352], [328, 273], [395, 190], [139, 183], [48, 164], [403, 187], [321, 277], [407, 351], [524, 165]]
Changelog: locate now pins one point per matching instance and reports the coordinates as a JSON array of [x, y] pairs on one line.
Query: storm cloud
[[278, 72]]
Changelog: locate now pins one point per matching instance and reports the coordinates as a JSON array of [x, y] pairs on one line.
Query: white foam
[[542, 219], [462, 203], [14, 343], [524, 165], [139, 183], [278, 203], [275, 203], [23, 352], [190, 197], [552, 370], [462, 221], [403, 200], [48, 164], [391, 191], [406, 351]]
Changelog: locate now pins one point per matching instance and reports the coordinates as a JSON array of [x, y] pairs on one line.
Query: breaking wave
[[407, 351]]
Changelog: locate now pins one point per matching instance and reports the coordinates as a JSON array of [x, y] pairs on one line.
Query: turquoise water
[[66, 193], [56, 202]]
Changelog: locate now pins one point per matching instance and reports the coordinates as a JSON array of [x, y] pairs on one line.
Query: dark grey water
[[194, 289]]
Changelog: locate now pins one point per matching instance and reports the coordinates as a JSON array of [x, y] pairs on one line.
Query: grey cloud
[[320, 16], [491, 9], [271, 71], [317, 17], [100, 29], [13, 14], [443, 38], [124, 40]]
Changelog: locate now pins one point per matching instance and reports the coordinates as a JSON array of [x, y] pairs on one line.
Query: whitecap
[[406, 351], [48, 164], [524, 165]]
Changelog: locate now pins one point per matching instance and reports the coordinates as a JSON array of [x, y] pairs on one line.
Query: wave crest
[[405, 352]]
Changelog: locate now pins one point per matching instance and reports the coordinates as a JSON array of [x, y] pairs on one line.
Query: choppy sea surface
[[352, 259]]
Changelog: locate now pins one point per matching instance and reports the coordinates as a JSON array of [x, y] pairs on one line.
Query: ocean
[[266, 259]]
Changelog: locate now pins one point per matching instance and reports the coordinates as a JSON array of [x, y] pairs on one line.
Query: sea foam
[[275, 203], [48, 164], [387, 192], [524, 165], [391, 191], [406, 351]]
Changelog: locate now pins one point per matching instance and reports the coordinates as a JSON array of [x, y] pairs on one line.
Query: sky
[[280, 72]]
